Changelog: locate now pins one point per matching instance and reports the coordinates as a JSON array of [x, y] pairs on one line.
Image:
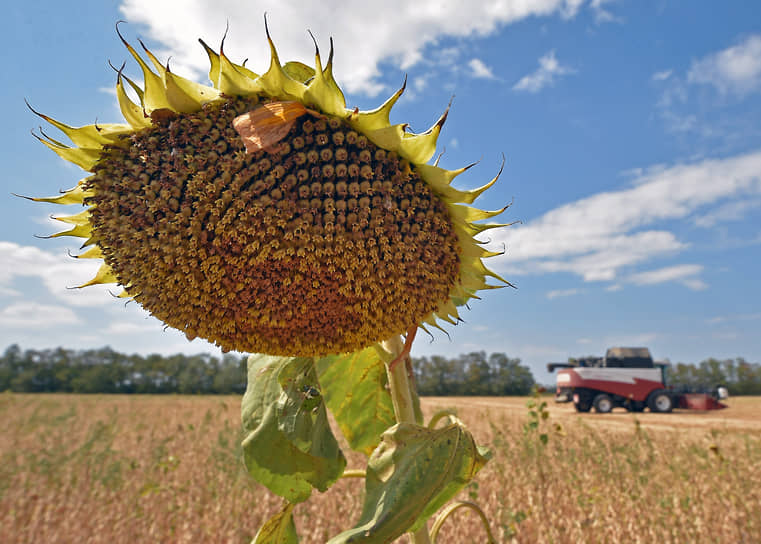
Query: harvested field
[[131, 469]]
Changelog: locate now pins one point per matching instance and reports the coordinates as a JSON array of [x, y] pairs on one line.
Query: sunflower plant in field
[[263, 215]]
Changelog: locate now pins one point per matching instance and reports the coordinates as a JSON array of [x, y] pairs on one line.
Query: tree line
[[107, 371], [472, 374], [738, 375]]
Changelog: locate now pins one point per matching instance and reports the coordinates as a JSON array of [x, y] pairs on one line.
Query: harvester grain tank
[[627, 378]]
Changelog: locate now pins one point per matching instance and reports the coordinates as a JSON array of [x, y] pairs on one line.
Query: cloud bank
[[366, 34], [599, 236]]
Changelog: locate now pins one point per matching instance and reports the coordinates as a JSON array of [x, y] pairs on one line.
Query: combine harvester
[[627, 378]]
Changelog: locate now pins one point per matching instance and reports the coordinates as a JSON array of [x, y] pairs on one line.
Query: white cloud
[[480, 70], [419, 83], [549, 69], [24, 315], [676, 122], [736, 69], [601, 14], [562, 293], [684, 274], [366, 33], [103, 321], [734, 317], [597, 236], [731, 211], [662, 76], [8, 292], [59, 273]]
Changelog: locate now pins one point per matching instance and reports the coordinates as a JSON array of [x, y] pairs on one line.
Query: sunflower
[[263, 215]]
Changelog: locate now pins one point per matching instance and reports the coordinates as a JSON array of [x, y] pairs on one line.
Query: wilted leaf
[[355, 390], [279, 529], [288, 445], [267, 124], [411, 474]]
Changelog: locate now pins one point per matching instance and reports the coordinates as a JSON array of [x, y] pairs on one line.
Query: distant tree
[[472, 374]]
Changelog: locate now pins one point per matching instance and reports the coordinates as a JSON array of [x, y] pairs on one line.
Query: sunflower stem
[[403, 395]]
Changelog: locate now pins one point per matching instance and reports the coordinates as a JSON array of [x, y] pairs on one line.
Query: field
[[116, 469]]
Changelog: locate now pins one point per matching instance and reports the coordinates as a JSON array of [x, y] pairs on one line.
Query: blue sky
[[632, 132]]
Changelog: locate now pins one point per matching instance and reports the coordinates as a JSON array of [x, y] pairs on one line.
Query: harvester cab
[[627, 378]]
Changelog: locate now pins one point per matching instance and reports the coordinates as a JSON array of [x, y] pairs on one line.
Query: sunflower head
[[263, 215]]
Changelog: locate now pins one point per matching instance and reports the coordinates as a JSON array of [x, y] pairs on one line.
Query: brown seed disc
[[324, 245]]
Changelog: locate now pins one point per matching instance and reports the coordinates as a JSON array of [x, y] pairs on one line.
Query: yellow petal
[[213, 64], [82, 218], [103, 275], [275, 82], [379, 117], [76, 195], [92, 253], [79, 231], [133, 113], [419, 148], [233, 82], [154, 95], [470, 214], [82, 157], [323, 91], [93, 136]]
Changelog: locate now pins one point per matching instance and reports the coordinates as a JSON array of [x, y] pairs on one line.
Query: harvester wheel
[[603, 403], [584, 405], [660, 401]]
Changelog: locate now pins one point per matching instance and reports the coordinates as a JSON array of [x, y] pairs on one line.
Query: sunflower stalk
[[403, 396]]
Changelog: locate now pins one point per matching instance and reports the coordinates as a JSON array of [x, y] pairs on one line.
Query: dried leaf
[[267, 124]]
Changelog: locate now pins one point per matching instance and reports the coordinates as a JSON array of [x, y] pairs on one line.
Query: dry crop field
[[116, 469]]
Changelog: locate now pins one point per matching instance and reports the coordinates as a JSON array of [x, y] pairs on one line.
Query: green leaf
[[355, 390], [279, 529], [411, 474], [288, 445]]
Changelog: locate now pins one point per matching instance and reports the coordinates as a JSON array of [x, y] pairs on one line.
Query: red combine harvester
[[627, 378]]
